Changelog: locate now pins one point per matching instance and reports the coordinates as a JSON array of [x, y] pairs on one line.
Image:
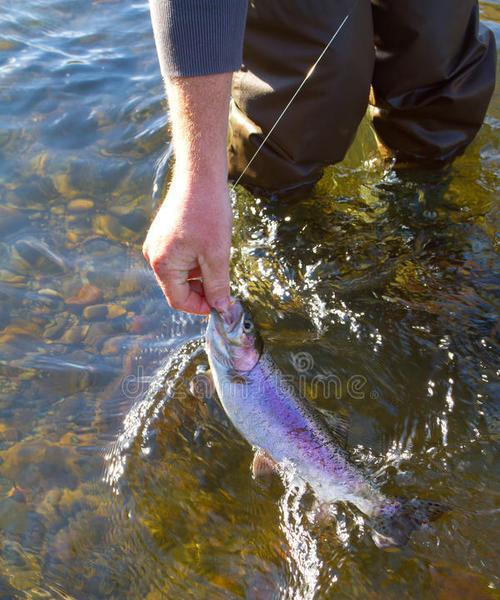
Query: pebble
[[75, 334], [17, 493], [26, 195], [63, 185], [22, 328], [88, 294], [129, 285], [10, 277], [109, 227], [38, 255], [136, 220], [98, 332], [121, 209], [99, 312], [49, 298], [49, 292], [72, 237], [80, 205], [56, 327], [115, 345], [115, 310], [95, 312], [96, 177]]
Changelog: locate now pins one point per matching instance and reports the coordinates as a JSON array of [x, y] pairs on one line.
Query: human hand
[[189, 242]]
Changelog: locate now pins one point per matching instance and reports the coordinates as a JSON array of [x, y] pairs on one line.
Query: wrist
[[198, 175]]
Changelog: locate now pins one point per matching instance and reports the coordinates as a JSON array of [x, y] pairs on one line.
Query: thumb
[[215, 275]]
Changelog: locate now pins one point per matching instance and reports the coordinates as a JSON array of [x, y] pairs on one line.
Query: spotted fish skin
[[275, 419]]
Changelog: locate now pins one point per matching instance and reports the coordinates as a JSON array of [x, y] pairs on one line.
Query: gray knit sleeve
[[198, 37]]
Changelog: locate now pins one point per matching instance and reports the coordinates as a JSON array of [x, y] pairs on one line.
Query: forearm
[[199, 109], [189, 242], [188, 245]]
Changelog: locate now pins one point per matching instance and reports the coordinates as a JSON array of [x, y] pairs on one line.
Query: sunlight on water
[[159, 388], [305, 564]]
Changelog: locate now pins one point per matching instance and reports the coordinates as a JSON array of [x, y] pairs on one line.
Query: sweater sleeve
[[198, 37]]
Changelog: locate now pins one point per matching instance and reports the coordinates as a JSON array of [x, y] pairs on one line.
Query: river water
[[114, 481]]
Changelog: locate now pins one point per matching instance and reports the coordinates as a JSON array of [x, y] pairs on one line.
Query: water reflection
[[303, 560]]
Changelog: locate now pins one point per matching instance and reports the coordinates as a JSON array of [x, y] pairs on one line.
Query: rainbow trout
[[286, 430]]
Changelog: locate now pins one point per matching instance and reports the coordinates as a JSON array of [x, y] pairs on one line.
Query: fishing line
[[297, 91]]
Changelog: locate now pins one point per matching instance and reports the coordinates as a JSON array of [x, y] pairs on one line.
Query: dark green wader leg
[[283, 40], [433, 79]]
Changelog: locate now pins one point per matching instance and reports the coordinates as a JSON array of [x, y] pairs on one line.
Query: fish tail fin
[[397, 519]]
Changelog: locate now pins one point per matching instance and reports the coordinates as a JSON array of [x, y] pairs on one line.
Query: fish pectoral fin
[[202, 386], [263, 464]]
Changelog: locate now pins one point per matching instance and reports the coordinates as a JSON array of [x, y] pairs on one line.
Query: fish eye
[[247, 326]]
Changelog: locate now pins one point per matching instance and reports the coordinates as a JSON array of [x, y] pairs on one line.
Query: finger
[[215, 275], [180, 293]]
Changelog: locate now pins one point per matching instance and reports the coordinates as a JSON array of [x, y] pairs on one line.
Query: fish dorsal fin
[[339, 425], [263, 464]]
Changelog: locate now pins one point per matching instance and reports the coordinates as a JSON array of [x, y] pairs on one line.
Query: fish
[[288, 432]]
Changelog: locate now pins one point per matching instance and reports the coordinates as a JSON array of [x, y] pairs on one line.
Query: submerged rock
[[32, 194], [73, 236], [87, 294], [115, 311], [98, 333], [100, 312], [12, 278], [136, 220], [57, 326], [80, 205], [75, 334], [115, 345], [63, 185], [95, 312], [32, 255], [96, 177], [109, 227], [41, 464], [49, 292]]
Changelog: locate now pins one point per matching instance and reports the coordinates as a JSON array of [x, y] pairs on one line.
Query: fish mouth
[[227, 322]]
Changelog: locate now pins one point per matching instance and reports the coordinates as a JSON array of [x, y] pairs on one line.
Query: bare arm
[[188, 244]]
